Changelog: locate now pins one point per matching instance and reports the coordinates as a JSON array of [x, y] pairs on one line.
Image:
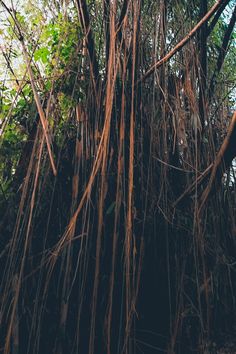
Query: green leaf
[[42, 54]]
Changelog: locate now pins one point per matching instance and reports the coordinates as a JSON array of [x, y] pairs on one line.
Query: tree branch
[[185, 40], [216, 17]]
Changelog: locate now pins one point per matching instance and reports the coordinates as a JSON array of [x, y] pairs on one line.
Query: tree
[[115, 157]]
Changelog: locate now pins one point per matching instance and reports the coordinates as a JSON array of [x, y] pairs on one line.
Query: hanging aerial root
[[41, 113], [223, 160], [182, 43], [42, 116], [200, 179]]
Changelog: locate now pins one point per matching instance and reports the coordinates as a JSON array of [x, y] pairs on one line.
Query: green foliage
[[10, 150], [42, 54]]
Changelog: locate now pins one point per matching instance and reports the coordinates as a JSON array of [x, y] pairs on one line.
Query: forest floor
[[229, 346]]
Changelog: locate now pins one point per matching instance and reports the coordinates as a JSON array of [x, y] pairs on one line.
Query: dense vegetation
[[117, 176]]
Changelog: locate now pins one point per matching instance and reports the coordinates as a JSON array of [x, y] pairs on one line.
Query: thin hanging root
[[182, 43], [194, 185], [40, 109], [223, 160], [36, 96]]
